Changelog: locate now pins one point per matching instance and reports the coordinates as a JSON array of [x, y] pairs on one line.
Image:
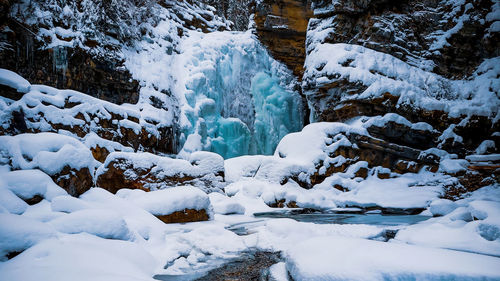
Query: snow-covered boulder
[[100, 222], [225, 205], [173, 205], [10, 81], [30, 185], [17, 233], [151, 172], [65, 159]]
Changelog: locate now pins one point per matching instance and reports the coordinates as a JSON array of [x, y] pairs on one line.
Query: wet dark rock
[[401, 134], [249, 266]]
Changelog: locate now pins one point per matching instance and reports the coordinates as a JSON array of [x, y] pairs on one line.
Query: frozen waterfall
[[235, 99]]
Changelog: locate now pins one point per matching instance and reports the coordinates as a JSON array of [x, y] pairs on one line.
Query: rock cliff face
[[428, 62], [433, 45], [281, 26]]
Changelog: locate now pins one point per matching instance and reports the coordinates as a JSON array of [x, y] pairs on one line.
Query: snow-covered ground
[[102, 236]]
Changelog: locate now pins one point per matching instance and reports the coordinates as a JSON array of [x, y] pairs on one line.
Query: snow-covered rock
[[176, 204], [13, 80], [150, 172], [224, 205], [442, 207], [105, 127]]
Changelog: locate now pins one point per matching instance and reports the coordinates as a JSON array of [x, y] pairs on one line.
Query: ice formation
[[235, 99]]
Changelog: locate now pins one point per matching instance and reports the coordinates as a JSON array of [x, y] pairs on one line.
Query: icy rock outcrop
[[146, 171], [105, 127], [373, 57], [235, 99], [324, 149]]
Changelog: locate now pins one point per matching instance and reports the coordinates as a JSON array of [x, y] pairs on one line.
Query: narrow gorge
[[249, 140]]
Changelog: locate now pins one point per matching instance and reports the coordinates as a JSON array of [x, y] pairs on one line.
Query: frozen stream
[[254, 262]]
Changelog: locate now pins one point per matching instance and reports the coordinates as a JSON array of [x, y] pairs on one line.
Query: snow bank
[[81, 257], [10, 202], [471, 224], [335, 258]]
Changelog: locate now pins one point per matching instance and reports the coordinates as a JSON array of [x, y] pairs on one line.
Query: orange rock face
[[281, 27]]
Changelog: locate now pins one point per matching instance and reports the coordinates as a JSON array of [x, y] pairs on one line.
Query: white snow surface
[[13, 80], [339, 258]]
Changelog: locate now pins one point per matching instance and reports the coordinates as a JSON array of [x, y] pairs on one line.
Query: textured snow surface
[[337, 258], [471, 224]]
